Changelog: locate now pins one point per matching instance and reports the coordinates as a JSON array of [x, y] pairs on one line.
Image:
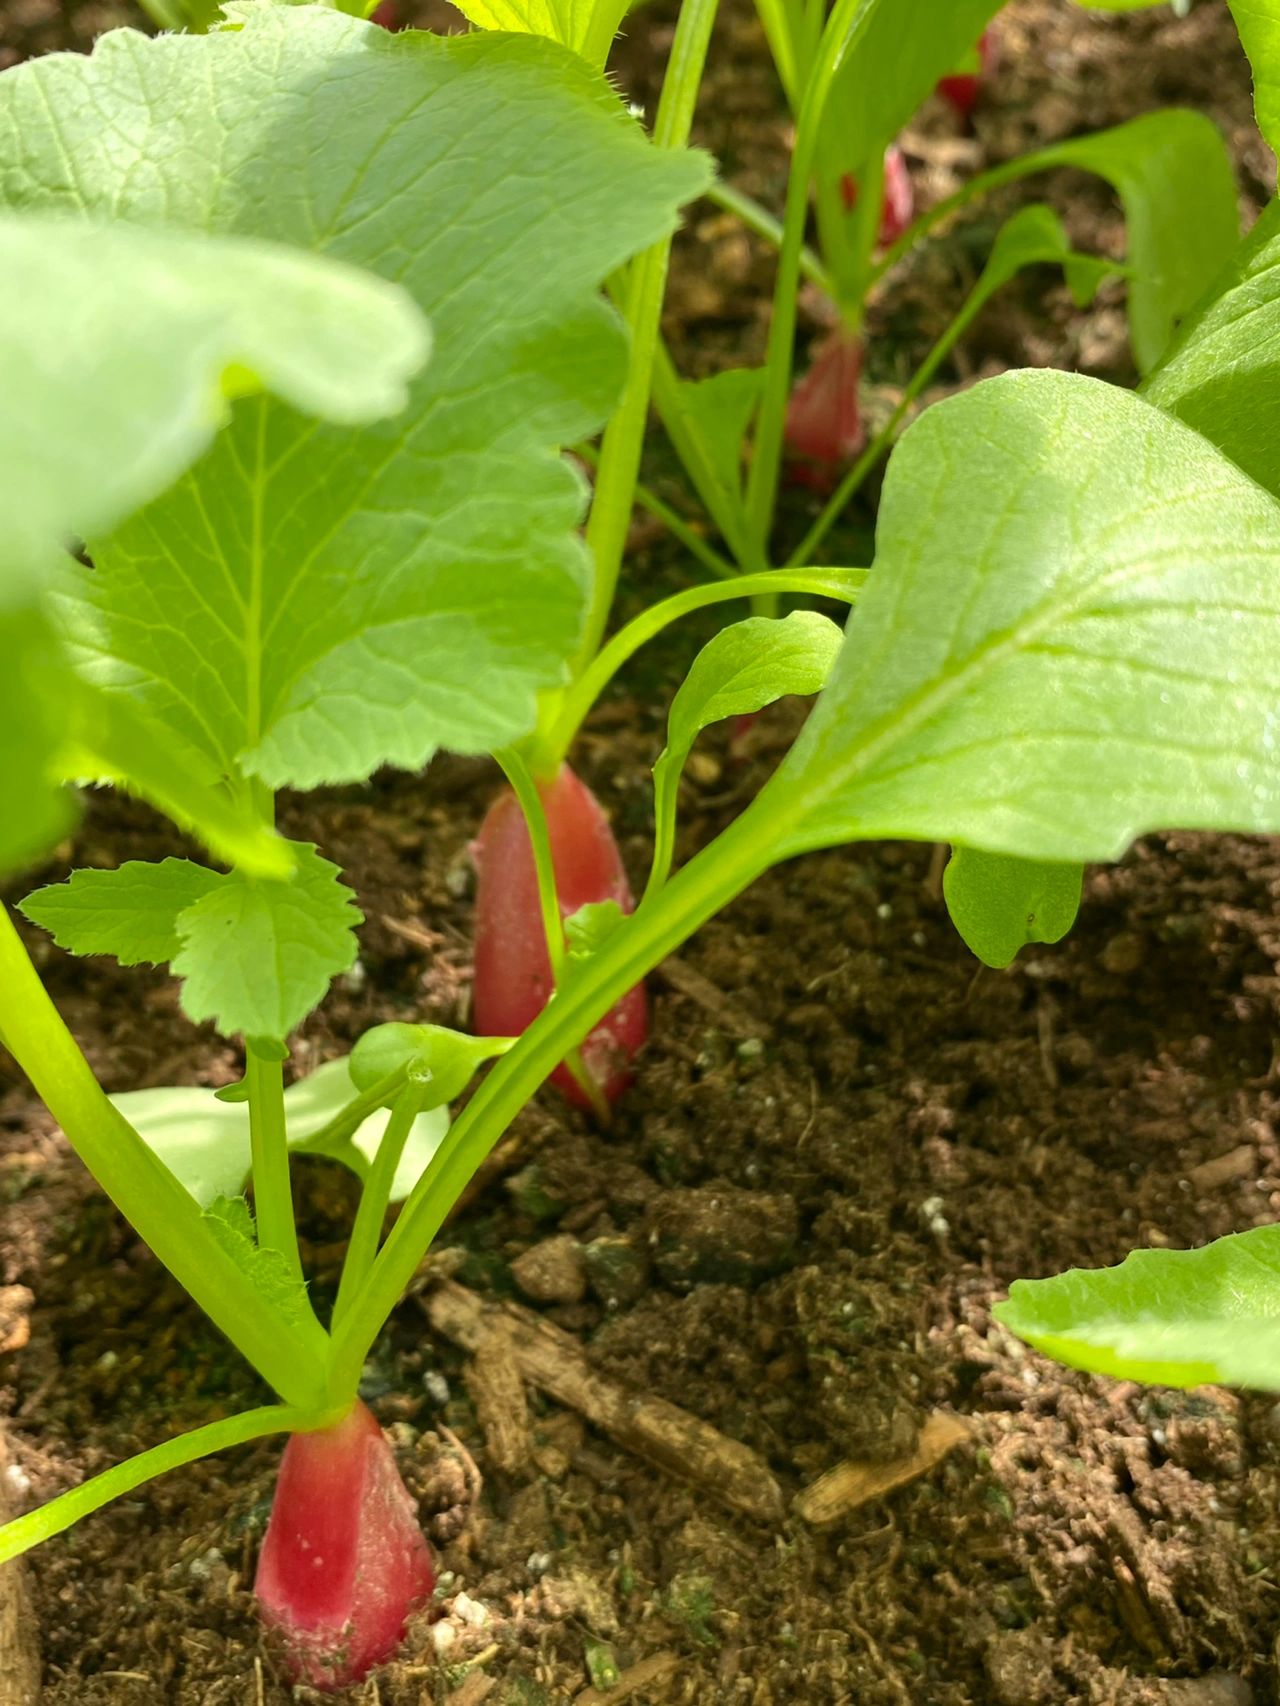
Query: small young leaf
[[1173, 1317], [230, 1219], [999, 904], [1068, 638], [744, 668], [256, 957], [1035, 236], [130, 913], [204, 1139], [1222, 375], [1176, 183], [590, 927], [442, 1060]]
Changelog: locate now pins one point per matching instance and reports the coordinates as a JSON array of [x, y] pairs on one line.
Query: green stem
[[526, 791], [782, 47], [848, 18], [852, 481], [658, 926], [827, 583], [535, 818], [724, 506], [623, 441], [1042, 160], [334, 1138], [287, 1352], [367, 1231], [763, 223], [68, 1508], [272, 1188], [676, 525]]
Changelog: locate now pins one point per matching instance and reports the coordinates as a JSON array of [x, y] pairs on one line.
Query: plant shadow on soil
[[843, 1142]]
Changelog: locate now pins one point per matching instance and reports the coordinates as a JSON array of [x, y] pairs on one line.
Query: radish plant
[[296, 371]]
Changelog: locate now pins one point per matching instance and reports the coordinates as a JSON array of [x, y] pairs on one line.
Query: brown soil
[[842, 1144]]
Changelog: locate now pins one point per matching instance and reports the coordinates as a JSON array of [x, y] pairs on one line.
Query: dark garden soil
[[843, 1142]]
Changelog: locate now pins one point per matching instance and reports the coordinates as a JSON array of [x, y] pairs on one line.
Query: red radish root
[[512, 968], [962, 88], [824, 423], [898, 205], [344, 1564]]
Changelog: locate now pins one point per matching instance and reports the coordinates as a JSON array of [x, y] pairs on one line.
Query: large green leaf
[[123, 347], [1068, 638], [1259, 24], [1222, 375], [1176, 1317], [897, 56], [132, 341], [311, 602]]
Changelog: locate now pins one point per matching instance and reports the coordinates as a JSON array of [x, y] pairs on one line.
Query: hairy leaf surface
[[256, 957], [361, 596], [1176, 1317]]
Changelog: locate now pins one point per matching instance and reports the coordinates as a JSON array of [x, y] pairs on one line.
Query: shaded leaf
[[999, 904], [205, 1141], [1176, 1317], [230, 1219]]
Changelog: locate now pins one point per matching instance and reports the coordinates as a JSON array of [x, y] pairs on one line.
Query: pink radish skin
[[824, 428], [387, 15], [512, 969], [962, 88], [898, 205], [344, 1564]]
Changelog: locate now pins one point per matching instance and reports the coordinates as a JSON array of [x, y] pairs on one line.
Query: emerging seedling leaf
[[999, 904], [441, 1060], [1175, 1317]]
